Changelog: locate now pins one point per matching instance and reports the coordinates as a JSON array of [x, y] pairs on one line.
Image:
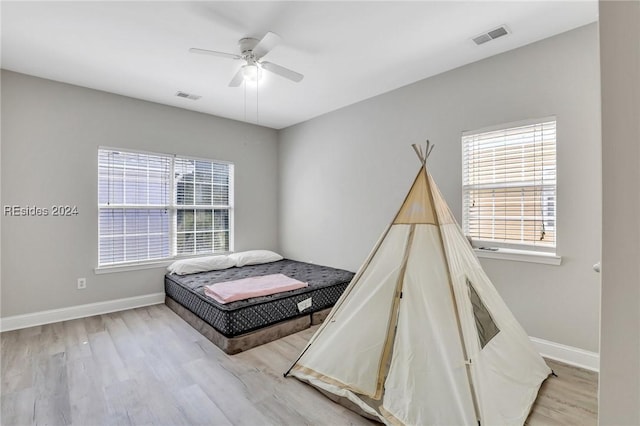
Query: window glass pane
[[129, 178], [158, 250], [158, 188], [111, 250], [135, 247], [116, 191], [185, 243], [184, 191], [220, 195], [221, 220], [184, 178], [220, 174], [221, 241], [203, 171], [110, 185], [158, 222], [204, 220], [125, 234], [111, 222], [202, 183], [104, 186], [203, 194], [204, 242], [185, 220], [135, 221], [184, 167]]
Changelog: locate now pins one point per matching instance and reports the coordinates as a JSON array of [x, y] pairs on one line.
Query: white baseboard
[[567, 354], [55, 315], [556, 351]]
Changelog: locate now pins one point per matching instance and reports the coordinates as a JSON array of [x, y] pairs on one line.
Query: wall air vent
[[188, 96], [491, 35]]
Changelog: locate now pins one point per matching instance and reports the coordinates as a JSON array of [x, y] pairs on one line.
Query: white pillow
[[254, 257], [200, 264]]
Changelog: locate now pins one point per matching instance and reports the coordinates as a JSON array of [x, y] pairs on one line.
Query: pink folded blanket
[[231, 291]]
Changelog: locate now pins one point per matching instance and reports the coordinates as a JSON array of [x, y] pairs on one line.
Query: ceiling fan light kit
[[251, 73], [252, 51]]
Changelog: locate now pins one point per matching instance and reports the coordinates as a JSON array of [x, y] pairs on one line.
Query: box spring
[[239, 319]]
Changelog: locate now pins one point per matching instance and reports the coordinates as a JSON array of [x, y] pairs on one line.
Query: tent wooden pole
[[418, 149]]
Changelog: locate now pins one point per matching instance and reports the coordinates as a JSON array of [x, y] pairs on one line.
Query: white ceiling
[[348, 51]]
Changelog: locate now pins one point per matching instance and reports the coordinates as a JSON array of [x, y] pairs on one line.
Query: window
[[509, 186], [485, 325], [157, 206]]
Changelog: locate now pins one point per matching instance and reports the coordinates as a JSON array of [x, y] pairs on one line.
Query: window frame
[[172, 206], [507, 249]]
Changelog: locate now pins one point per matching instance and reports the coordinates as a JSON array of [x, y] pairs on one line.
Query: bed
[[241, 325]]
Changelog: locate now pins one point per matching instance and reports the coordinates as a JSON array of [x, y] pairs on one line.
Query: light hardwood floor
[[147, 366]]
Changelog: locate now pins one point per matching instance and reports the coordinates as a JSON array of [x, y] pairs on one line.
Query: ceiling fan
[[251, 51]]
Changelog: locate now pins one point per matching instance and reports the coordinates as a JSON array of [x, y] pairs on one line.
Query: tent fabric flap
[[359, 326], [507, 371], [428, 363]]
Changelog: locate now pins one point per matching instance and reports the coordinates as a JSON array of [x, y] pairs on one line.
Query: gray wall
[[344, 174], [50, 135], [620, 329]]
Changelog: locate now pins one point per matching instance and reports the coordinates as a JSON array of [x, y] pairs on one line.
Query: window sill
[[152, 264], [520, 256], [132, 267]]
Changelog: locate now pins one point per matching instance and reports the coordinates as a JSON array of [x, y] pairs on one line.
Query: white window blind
[[155, 206], [509, 186]]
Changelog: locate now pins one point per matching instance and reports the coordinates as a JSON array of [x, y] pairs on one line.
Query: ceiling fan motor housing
[[247, 44]]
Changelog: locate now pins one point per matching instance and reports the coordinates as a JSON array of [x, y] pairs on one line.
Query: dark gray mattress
[[232, 319]]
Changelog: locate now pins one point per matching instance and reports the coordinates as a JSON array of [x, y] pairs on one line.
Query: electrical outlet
[[82, 283]]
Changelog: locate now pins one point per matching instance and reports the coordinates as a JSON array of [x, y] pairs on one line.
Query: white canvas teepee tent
[[421, 336]]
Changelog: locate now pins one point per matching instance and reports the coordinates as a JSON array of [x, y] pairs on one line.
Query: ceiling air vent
[[491, 35], [188, 96]]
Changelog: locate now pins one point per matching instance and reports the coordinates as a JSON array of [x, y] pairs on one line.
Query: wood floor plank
[[17, 408], [94, 324], [134, 320], [125, 404], [53, 335], [123, 339], [16, 379], [289, 395], [86, 396], [108, 361], [227, 390], [146, 366], [51, 403], [198, 408], [76, 340]]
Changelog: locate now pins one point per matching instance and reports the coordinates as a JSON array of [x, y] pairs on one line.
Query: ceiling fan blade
[[282, 71], [215, 53], [237, 79], [264, 46]]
